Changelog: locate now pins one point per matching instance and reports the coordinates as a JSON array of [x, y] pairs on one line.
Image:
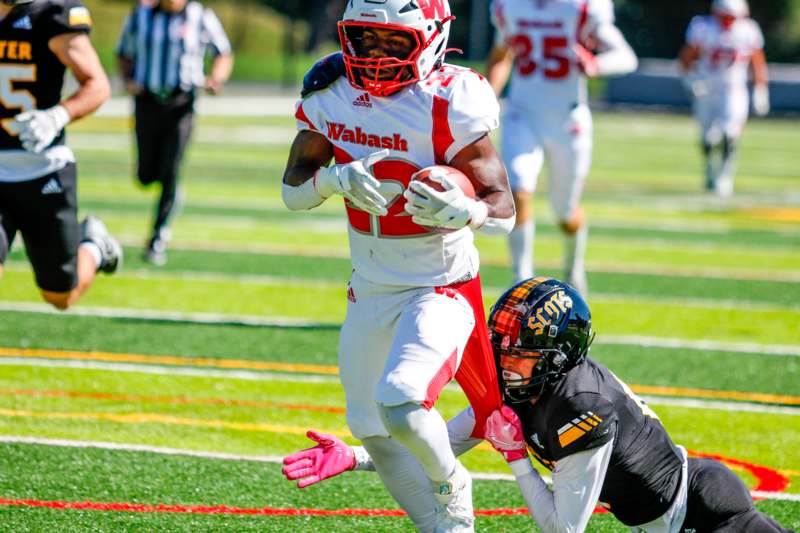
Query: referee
[[161, 55]]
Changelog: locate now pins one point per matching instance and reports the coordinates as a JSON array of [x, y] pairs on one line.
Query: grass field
[[163, 401]]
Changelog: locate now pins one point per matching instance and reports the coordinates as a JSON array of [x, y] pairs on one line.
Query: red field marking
[[172, 400], [767, 479], [224, 509]]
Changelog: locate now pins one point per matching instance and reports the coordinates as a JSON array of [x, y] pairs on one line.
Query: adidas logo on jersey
[[341, 132], [23, 24], [52, 187], [363, 101]]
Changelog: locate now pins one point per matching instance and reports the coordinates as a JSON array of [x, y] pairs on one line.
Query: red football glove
[[329, 458], [504, 431]]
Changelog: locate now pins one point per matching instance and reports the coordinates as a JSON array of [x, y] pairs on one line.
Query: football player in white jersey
[[415, 313], [719, 48], [547, 47]]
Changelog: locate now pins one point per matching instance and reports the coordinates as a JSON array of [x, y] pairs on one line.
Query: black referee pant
[[163, 129]]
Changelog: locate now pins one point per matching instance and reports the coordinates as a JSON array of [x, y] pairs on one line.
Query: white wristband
[[301, 197], [521, 467], [60, 116], [478, 215], [363, 459]]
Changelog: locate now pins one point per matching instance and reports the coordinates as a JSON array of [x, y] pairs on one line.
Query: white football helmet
[[731, 8], [427, 22]]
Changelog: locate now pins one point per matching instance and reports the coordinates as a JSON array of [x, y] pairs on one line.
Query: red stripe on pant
[[477, 374]]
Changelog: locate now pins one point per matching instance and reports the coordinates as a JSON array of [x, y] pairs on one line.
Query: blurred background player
[[601, 442], [719, 48], [38, 197], [551, 45], [161, 55], [415, 313]]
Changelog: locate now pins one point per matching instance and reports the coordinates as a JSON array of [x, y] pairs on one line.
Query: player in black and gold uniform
[[602, 443], [39, 41], [600, 440]]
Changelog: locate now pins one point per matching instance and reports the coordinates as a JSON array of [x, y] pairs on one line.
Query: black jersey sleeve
[[65, 16], [581, 422]]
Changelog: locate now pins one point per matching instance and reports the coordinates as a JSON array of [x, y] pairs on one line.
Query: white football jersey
[[424, 124], [541, 34], [724, 53]]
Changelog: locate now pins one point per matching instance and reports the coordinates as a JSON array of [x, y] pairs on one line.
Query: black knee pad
[[729, 145]]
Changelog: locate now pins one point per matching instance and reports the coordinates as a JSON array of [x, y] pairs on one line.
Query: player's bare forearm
[[498, 67], [76, 52], [221, 70], [310, 151], [759, 62], [483, 166], [688, 57]]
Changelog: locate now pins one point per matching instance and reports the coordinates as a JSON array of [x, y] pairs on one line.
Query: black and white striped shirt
[[168, 49]]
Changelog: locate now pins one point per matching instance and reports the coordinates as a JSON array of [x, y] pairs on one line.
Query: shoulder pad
[[324, 72]]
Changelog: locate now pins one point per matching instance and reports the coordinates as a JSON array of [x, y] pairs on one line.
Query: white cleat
[[454, 503], [93, 230], [723, 187]]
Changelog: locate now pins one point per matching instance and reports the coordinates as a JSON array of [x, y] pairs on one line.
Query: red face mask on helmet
[[727, 11], [425, 24]]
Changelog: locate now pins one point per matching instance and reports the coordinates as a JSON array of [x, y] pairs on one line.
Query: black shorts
[[45, 212], [719, 501]]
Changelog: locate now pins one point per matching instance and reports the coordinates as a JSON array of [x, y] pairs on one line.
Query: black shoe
[[93, 230]]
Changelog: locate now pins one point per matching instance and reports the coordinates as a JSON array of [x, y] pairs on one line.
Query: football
[[458, 177], [454, 174]]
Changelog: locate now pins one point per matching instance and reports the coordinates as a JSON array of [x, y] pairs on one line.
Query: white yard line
[[735, 406], [13, 439], [257, 320]]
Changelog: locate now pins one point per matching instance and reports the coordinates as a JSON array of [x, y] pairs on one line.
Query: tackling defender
[[715, 60], [577, 419], [414, 295], [549, 45], [41, 39]]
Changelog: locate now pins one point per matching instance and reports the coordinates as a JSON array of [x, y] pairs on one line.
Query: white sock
[[404, 478], [520, 241], [575, 249], [93, 249], [423, 432]]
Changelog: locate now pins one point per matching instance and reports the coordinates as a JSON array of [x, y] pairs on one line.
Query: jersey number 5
[[15, 99], [555, 54]]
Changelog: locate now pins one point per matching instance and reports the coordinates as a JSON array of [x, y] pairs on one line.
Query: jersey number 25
[[555, 55]]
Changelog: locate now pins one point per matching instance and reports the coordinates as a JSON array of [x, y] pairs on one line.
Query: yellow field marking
[[153, 418], [717, 394], [780, 214], [168, 360]]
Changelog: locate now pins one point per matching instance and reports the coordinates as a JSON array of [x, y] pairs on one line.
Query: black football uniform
[[28, 68], [42, 207], [590, 407]]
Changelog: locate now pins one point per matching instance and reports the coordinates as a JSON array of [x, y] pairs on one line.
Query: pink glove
[[504, 431], [587, 61], [329, 458]]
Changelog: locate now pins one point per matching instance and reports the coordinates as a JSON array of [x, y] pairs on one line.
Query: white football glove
[[761, 100], [355, 182], [39, 128], [450, 208], [695, 85]]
